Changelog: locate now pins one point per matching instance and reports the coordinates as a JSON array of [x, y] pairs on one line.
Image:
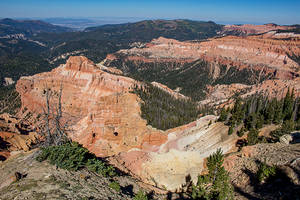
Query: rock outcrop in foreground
[[105, 117], [15, 134]]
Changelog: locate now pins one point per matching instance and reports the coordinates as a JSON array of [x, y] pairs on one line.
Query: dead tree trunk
[[55, 131]]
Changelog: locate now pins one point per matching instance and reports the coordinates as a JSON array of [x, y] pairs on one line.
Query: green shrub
[[210, 122], [72, 156], [264, 172], [115, 186], [100, 167], [141, 195]]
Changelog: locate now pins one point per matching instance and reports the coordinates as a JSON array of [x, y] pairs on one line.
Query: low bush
[[265, 171], [115, 186], [141, 195], [72, 156], [100, 167]]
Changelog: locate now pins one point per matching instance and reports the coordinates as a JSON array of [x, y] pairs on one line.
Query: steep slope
[[105, 117], [22, 177], [243, 168]]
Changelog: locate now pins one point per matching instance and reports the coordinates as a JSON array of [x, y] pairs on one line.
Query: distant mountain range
[[32, 46], [28, 27], [82, 23]]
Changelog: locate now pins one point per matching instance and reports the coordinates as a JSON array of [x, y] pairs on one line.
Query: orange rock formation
[[105, 117], [15, 134], [256, 52], [265, 55], [248, 29]]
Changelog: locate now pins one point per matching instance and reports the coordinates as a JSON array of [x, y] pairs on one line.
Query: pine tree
[[269, 111], [259, 121], [278, 112], [216, 184], [252, 137], [230, 130], [223, 115], [288, 104], [241, 132]]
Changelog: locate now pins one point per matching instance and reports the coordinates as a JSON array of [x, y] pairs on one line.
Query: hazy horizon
[[121, 20], [229, 12]]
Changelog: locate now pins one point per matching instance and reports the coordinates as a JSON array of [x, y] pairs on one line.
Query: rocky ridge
[[250, 29], [256, 52]]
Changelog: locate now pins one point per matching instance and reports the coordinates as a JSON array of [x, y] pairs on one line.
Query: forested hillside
[[192, 78], [251, 114], [30, 47]]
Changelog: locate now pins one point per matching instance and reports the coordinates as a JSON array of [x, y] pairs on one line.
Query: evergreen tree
[[288, 104], [230, 130], [278, 112], [269, 112], [216, 184], [223, 115], [288, 126], [237, 111], [252, 137], [251, 121], [162, 110], [259, 121], [241, 132]]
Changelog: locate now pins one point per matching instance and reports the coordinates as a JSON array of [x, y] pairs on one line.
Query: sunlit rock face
[[105, 117], [260, 53], [104, 114]]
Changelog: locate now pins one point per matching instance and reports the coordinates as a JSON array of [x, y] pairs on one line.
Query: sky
[[231, 11]]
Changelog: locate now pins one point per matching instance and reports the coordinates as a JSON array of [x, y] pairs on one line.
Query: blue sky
[[259, 11]]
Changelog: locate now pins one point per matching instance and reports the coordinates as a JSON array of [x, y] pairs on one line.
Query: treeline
[[252, 113], [163, 111]]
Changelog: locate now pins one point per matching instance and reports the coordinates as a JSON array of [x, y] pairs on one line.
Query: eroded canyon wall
[[105, 117]]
